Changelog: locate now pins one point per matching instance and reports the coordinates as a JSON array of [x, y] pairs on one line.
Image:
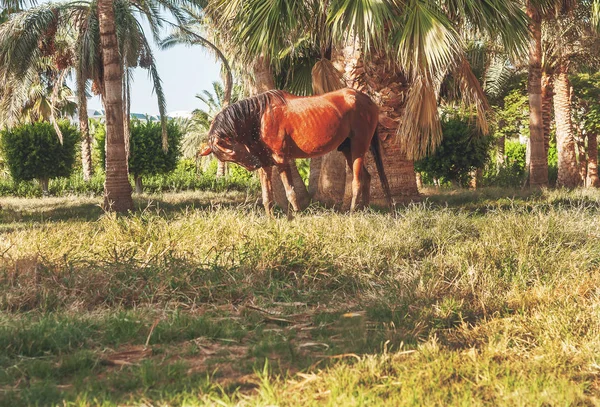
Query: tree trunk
[[501, 147], [263, 81], [86, 141], [314, 176], [547, 100], [331, 185], [117, 189], [538, 166], [139, 185], [221, 168], [582, 165], [592, 170], [387, 86], [568, 174], [44, 184]]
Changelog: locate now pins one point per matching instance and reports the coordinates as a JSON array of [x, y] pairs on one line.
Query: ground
[[468, 298]]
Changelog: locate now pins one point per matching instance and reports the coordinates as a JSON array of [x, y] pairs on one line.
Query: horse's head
[[227, 148]]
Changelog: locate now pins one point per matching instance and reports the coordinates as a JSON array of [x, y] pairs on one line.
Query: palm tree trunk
[[538, 166], [117, 189], [592, 169], [139, 185], [264, 81], [582, 157], [547, 99], [221, 168], [86, 141], [501, 150], [314, 176], [387, 86], [568, 175]]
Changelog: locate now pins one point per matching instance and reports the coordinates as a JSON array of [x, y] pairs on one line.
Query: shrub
[[33, 151], [463, 149], [146, 157]]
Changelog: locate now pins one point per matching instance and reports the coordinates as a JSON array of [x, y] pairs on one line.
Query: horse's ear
[[205, 150]]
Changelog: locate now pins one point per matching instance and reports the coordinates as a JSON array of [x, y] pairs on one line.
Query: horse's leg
[[357, 172], [285, 172], [366, 188], [267, 189]]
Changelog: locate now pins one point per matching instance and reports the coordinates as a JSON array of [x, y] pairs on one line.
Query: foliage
[[425, 40], [462, 150], [33, 151], [146, 156], [186, 177], [512, 116]]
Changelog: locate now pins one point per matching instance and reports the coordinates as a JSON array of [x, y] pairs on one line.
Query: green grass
[[469, 298]]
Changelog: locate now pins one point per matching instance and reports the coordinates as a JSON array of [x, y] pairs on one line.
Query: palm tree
[[215, 102], [93, 31], [570, 42], [405, 49], [117, 189]]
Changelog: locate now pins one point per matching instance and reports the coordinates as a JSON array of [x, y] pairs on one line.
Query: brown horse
[[274, 127]]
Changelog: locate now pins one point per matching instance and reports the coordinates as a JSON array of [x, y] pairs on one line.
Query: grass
[[469, 298]]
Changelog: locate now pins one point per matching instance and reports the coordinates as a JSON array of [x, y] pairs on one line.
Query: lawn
[[468, 298]]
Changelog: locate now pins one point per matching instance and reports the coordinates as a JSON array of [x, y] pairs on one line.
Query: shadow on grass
[[15, 213]]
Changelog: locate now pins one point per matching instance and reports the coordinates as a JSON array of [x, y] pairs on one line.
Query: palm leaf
[[420, 131]]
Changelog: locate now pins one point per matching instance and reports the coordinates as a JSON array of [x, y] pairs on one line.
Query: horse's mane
[[243, 119]]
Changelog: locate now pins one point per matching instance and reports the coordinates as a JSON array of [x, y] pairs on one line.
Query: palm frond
[[427, 43], [472, 94], [420, 131], [370, 20], [158, 90], [325, 78]]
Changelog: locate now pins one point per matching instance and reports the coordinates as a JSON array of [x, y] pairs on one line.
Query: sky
[[184, 70]]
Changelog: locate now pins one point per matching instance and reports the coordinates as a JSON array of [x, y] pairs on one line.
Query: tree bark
[[264, 81], [538, 166], [592, 167], [547, 105], [568, 174], [582, 157], [501, 148], [139, 185], [117, 189], [86, 141], [314, 176], [221, 168], [386, 84], [44, 184]]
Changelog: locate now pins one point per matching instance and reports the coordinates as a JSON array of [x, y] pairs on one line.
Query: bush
[[33, 151], [146, 157], [463, 149], [510, 174]]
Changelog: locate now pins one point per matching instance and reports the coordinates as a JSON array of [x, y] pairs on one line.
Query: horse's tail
[[376, 151]]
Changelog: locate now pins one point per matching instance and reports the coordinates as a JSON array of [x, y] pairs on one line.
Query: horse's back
[[314, 125]]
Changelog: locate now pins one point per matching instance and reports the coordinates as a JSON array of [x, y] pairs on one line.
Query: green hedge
[[33, 151]]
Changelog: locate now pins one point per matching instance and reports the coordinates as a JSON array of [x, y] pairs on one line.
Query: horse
[[272, 128]]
